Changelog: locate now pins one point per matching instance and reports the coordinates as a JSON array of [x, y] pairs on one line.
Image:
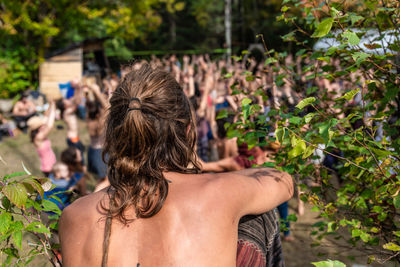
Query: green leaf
[[270, 60], [35, 185], [332, 226], [355, 18], [329, 263], [396, 201], [305, 102], [382, 216], [14, 175], [308, 117], [315, 209], [222, 114], [349, 95], [17, 237], [331, 50], [279, 134], [351, 37], [300, 52], [37, 227], [377, 209], [365, 237], [294, 140], [228, 75], [250, 78], [324, 131], [323, 28], [16, 193], [284, 8], [355, 233], [5, 221], [50, 206], [292, 218], [295, 120], [359, 57], [298, 149], [308, 152], [5, 203], [246, 101], [397, 233], [391, 246], [179, 6]]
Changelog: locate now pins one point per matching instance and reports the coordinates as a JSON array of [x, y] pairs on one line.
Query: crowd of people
[[205, 84]]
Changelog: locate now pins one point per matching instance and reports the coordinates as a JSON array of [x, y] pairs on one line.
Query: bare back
[[197, 225], [71, 120]]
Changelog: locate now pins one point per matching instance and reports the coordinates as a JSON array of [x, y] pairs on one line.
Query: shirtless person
[[23, 110], [158, 211]]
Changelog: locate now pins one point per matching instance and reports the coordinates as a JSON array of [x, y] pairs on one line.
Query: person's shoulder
[[83, 209]]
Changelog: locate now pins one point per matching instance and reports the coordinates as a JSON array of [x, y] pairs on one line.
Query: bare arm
[[191, 81], [42, 134], [256, 190], [102, 99], [226, 164], [203, 103]]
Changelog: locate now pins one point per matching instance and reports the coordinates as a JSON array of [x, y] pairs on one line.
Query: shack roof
[[91, 44]]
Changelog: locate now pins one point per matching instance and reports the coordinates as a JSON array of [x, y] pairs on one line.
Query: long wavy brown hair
[[150, 129]]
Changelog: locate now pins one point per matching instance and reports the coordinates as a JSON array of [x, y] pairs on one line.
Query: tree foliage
[[28, 29], [359, 199], [24, 235]]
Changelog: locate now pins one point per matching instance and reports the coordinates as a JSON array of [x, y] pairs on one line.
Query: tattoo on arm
[[257, 174]]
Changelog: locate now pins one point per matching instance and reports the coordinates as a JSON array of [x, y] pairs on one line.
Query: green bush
[[362, 206], [24, 236]]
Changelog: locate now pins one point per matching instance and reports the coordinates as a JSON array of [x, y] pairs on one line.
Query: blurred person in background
[[23, 110], [96, 106], [68, 108], [40, 128]]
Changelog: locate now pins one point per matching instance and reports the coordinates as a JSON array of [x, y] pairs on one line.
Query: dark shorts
[[96, 164]]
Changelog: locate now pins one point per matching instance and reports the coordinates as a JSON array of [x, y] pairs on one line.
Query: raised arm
[[42, 134], [191, 80], [97, 93]]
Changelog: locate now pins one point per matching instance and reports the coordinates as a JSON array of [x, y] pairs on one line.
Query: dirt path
[[300, 252]]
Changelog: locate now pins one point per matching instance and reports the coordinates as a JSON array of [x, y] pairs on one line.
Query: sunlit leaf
[[246, 101], [391, 246], [16, 193], [308, 152], [305, 102], [329, 263], [351, 37], [279, 134], [323, 28], [17, 237], [349, 95], [37, 227], [5, 221]]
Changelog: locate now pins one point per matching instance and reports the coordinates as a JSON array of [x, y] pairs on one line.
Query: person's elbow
[[288, 184]]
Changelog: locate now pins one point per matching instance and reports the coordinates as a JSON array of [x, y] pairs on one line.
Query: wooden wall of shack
[[60, 69]]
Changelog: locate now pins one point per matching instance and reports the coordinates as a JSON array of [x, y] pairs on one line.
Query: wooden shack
[[66, 64]]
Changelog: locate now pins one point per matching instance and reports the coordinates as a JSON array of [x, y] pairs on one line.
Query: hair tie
[[137, 100]]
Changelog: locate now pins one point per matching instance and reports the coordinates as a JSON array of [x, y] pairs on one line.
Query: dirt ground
[[297, 253]]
